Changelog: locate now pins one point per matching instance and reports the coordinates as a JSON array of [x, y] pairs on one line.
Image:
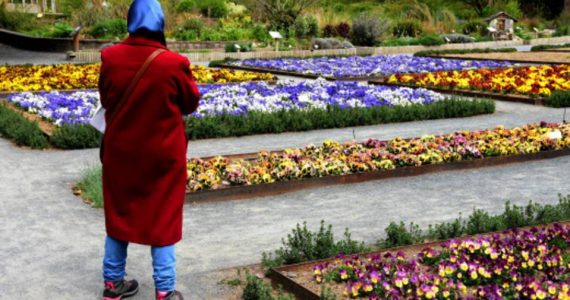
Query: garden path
[[52, 243]]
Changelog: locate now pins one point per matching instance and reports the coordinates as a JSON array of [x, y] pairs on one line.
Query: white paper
[[98, 119]]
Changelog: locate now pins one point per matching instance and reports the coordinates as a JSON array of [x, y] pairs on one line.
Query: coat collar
[[142, 41]]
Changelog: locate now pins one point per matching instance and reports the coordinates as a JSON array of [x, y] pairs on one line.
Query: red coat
[[144, 153]]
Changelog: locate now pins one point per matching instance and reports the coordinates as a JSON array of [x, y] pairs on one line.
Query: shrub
[[76, 137], [244, 47], [431, 40], [400, 235], [410, 28], [458, 38], [109, 28], [185, 5], [304, 245], [214, 8], [329, 31], [257, 289], [301, 27], [559, 99], [475, 27], [562, 31], [463, 51], [259, 33], [16, 21], [547, 47], [368, 30], [343, 30], [332, 117], [313, 26], [194, 24], [331, 43], [15, 126], [61, 30]]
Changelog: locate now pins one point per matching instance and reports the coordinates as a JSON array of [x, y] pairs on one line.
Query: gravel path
[[52, 243]]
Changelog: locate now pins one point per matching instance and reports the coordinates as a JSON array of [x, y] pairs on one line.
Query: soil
[[539, 57], [302, 274]]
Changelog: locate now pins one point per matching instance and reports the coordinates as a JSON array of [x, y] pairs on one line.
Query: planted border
[[14, 126], [84, 136], [462, 51]]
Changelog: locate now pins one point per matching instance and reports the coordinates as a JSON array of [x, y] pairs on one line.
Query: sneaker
[[120, 289], [174, 295]]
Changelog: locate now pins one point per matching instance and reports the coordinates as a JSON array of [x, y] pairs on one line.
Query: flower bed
[[518, 264], [68, 76], [366, 66], [334, 159], [539, 81], [77, 107]]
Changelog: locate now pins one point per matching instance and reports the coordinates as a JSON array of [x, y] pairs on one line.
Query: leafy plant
[[409, 28], [559, 99], [329, 31], [109, 28], [243, 47], [303, 244], [76, 137], [91, 186], [214, 8], [399, 235], [475, 27], [431, 40], [368, 30], [257, 289], [185, 6], [15, 126], [343, 30], [463, 51]]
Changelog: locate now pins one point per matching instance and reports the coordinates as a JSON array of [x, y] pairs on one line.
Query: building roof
[[499, 14]]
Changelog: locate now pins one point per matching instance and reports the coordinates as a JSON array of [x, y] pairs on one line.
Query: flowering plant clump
[[530, 264], [365, 66], [239, 99], [533, 80], [333, 158], [69, 76]]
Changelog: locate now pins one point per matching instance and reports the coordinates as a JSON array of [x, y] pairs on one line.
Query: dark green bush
[[109, 28], [76, 137], [400, 235], [332, 117], [185, 6], [313, 26], [257, 289], [244, 47], [301, 27], [410, 28], [558, 99], [475, 27], [547, 47], [462, 51], [368, 30], [61, 30], [562, 31], [303, 245], [23, 132], [214, 8], [431, 40], [16, 21], [260, 33]]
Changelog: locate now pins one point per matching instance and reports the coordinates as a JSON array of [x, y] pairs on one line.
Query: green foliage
[[304, 245], [548, 47], [368, 30], [91, 186], [400, 235], [475, 27], [214, 8], [431, 40], [16, 21], [76, 137], [257, 289], [301, 27], [313, 26], [109, 28], [260, 33], [332, 117], [562, 31], [479, 222], [463, 51], [243, 47], [23, 132], [558, 99], [407, 28], [185, 6], [327, 293], [61, 30]]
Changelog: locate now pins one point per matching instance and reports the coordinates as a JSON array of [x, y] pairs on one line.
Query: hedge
[[547, 47], [462, 51], [558, 99], [84, 136], [16, 127]]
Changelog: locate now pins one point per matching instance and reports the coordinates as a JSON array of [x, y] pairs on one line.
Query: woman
[[144, 150]]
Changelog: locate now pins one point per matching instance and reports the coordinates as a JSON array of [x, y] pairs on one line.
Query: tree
[[283, 13], [478, 5]]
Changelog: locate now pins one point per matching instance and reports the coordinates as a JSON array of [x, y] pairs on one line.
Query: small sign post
[[276, 37]]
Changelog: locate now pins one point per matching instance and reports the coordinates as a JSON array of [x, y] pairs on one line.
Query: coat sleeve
[[189, 95]]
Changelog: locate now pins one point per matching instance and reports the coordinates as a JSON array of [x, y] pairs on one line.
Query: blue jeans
[[163, 263]]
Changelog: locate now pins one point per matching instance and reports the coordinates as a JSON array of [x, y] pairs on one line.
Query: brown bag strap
[[132, 85]]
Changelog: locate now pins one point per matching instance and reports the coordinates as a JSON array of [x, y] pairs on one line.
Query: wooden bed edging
[[283, 187], [279, 276], [469, 93]]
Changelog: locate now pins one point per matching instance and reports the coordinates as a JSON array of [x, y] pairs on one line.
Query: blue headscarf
[[145, 15]]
